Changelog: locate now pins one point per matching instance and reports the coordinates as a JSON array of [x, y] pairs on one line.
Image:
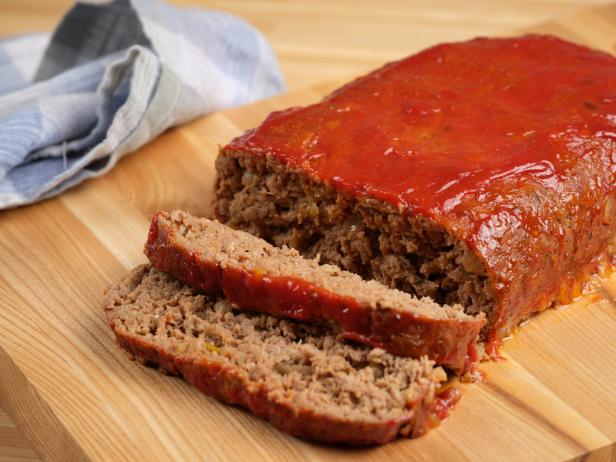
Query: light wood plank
[[13, 446]]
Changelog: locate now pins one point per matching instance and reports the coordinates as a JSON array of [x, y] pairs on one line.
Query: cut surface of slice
[[296, 375], [255, 275]]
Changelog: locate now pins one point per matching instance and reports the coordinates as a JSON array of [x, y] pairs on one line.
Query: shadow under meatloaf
[[295, 375], [255, 275]]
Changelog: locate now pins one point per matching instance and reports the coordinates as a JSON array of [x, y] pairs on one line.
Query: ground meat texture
[[296, 375], [253, 274], [363, 236], [481, 173]]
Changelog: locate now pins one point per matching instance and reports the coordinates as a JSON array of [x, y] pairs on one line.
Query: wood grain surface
[[319, 40], [76, 396]]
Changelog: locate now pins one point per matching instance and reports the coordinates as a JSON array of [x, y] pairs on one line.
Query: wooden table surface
[[319, 40], [316, 41]]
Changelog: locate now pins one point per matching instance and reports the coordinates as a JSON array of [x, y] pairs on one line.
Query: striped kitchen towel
[[114, 75]]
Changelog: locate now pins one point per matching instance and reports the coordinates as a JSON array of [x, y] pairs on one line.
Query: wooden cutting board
[[76, 396]]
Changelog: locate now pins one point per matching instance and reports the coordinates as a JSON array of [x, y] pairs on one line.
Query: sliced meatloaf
[[253, 274], [295, 375], [480, 173]]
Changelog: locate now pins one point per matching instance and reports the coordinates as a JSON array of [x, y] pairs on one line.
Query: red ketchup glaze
[[451, 343], [445, 402], [509, 144]]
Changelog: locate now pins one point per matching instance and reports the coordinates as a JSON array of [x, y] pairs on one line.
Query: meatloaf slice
[[255, 275], [481, 173], [295, 375]]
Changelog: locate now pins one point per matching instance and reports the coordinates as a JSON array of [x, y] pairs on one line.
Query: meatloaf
[[480, 173], [293, 374], [253, 274]]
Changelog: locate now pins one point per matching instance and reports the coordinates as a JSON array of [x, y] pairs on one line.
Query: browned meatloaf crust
[[480, 173], [253, 274], [295, 375]]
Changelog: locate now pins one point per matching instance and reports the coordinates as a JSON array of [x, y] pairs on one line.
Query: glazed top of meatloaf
[[498, 140]]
